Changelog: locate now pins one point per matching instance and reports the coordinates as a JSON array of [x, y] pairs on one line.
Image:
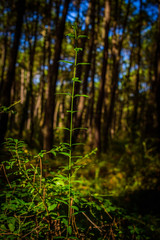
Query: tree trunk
[[117, 47], [6, 97], [136, 95], [52, 79], [103, 79], [82, 100], [32, 50], [157, 76]]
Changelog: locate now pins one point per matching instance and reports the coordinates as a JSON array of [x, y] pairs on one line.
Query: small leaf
[[63, 128], [71, 35], [52, 207], [78, 49], [82, 36], [69, 111], [11, 227], [76, 79], [79, 129], [75, 207], [76, 156], [53, 152], [65, 154], [66, 61], [76, 144], [81, 95], [83, 64], [69, 230], [65, 221], [63, 94]]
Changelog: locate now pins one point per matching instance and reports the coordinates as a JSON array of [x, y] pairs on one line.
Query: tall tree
[[103, 77], [52, 79], [136, 95], [7, 86], [157, 73], [116, 54]]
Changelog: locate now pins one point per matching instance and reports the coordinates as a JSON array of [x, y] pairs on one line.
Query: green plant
[[38, 206]]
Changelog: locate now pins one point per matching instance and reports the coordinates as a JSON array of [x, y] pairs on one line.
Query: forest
[[80, 119]]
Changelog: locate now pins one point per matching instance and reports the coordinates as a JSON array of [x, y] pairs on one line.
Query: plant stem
[[71, 130]]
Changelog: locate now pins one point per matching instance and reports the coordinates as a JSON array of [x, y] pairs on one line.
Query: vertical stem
[[71, 130]]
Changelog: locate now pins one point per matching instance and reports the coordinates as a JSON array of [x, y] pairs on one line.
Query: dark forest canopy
[[122, 81]]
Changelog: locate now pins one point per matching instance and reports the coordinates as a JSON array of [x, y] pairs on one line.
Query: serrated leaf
[[66, 61]]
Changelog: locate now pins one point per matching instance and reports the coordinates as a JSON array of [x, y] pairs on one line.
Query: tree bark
[[6, 97], [52, 79], [117, 47], [103, 79], [136, 95], [157, 75]]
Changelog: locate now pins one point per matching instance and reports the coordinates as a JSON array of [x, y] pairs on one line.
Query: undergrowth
[[54, 206]]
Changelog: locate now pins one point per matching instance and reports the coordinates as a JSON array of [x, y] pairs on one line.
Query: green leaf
[[76, 144], [76, 79], [65, 154], [11, 224], [83, 64], [63, 128], [71, 35], [82, 36], [75, 207], [65, 221], [53, 152], [65, 61], [67, 144], [11, 227], [81, 95], [68, 94], [69, 111], [79, 129], [78, 49], [69, 230], [52, 207]]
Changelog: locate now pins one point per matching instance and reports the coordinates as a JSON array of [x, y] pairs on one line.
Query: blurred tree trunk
[[103, 77], [136, 94], [82, 100], [116, 53], [157, 74], [4, 58], [29, 96], [92, 97], [52, 79], [7, 86]]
